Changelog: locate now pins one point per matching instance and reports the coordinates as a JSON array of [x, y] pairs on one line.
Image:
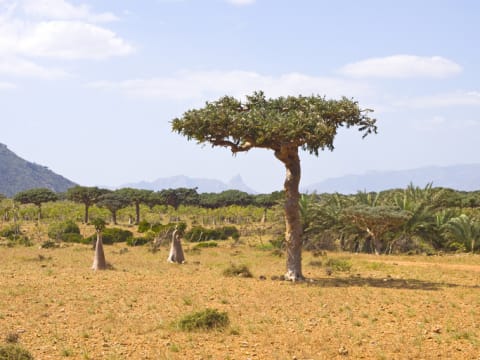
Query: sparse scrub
[[110, 236], [338, 264], [238, 270], [209, 319], [208, 244], [14, 352], [67, 231]]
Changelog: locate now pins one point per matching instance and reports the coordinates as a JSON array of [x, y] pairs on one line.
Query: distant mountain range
[[17, 174], [202, 185], [458, 177]]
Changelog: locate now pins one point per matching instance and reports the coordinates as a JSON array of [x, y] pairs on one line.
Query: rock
[[343, 350]]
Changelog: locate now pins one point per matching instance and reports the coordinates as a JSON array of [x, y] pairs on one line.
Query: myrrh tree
[[36, 196], [284, 125]]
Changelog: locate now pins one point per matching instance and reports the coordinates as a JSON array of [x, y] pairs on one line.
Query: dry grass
[[383, 308]]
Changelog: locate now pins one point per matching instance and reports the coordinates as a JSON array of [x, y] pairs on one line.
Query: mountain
[[202, 185], [458, 177], [17, 174]]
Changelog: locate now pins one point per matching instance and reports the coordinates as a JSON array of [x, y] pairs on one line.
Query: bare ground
[[383, 308]]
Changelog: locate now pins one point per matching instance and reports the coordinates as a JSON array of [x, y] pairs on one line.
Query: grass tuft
[[209, 319], [14, 352], [238, 270]]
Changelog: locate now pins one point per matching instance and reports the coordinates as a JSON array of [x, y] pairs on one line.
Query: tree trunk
[[114, 217], [293, 225], [86, 214], [137, 213], [176, 251], [99, 262]]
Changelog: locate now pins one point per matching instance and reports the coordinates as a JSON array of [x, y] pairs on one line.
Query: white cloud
[[471, 98], [241, 2], [70, 35], [24, 68], [63, 10], [402, 66], [71, 40], [209, 85]]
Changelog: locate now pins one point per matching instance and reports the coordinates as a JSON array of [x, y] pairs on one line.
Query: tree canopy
[[309, 122]]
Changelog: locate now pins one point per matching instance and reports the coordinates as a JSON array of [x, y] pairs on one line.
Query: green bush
[[208, 319], [208, 244], [237, 270], [11, 231], [138, 241], [61, 231], [72, 238], [14, 352], [144, 226], [339, 264], [199, 233], [110, 236]]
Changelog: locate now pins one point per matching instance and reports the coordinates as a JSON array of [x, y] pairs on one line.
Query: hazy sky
[[88, 88]]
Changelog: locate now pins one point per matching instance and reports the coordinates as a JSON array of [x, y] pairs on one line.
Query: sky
[[89, 88]]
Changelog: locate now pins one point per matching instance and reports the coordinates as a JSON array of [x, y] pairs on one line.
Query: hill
[[17, 174], [202, 185], [458, 177]]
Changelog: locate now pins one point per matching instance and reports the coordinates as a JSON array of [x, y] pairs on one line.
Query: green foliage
[[85, 195], [144, 226], [138, 241], [35, 196], [67, 231], [199, 233], [338, 264], [207, 244], [10, 231], [111, 235], [14, 352], [113, 201], [209, 319], [238, 270], [99, 224], [310, 122], [14, 236]]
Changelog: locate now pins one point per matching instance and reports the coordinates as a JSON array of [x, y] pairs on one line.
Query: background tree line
[[410, 220]]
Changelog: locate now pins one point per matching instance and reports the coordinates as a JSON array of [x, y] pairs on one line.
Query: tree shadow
[[387, 283]]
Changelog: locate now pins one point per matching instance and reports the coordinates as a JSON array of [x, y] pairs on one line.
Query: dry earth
[[383, 308]]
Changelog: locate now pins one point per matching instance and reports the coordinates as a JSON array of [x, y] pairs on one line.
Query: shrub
[[199, 233], [49, 244], [238, 270], [61, 231], [208, 244], [339, 264], [14, 352], [144, 226], [10, 232], [138, 241], [110, 236], [208, 319]]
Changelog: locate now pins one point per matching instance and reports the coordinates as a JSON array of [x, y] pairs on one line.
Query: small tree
[[136, 197], [99, 262], [37, 197], [85, 195], [113, 201], [283, 125]]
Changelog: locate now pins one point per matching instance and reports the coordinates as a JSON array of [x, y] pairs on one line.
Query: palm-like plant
[[465, 230]]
